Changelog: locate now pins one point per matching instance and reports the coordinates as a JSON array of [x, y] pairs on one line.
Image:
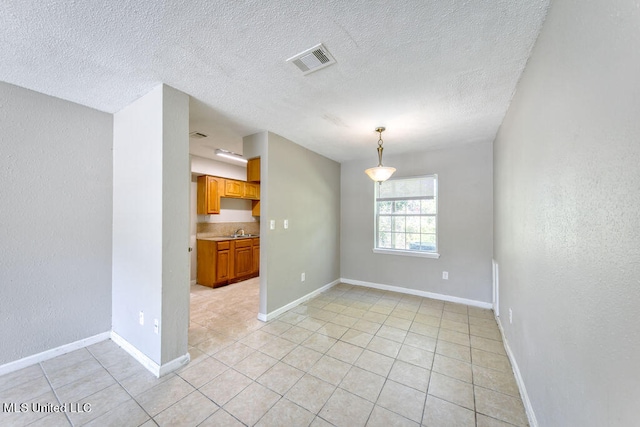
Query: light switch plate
[[272, 224], [286, 223]]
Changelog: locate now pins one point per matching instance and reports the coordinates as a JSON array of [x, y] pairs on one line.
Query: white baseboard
[[193, 282], [145, 361], [266, 317], [533, 422], [425, 294], [50, 354]]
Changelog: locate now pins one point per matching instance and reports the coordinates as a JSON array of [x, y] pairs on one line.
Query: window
[[406, 216]]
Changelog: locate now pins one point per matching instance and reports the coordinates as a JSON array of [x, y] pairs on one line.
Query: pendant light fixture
[[380, 173]]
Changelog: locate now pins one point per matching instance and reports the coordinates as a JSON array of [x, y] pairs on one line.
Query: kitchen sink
[[243, 236]]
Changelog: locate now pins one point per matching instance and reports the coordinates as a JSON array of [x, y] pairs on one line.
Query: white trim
[[145, 361], [406, 253], [442, 297], [193, 282], [50, 354], [496, 287], [176, 363], [275, 313], [533, 422]]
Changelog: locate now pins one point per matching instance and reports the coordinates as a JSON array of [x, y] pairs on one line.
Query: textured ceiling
[[435, 73]]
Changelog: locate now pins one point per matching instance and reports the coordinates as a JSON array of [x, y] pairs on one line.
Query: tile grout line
[[120, 384], [53, 390]]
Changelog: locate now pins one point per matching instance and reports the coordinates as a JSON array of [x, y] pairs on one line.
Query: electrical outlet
[[141, 317], [510, 316], [445, 275], [286, 223], [156, 327], [272, 224], [303, 277]]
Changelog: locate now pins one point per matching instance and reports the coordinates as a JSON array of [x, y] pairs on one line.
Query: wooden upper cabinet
[[233, 188], [208, 195], [253, 170], [240, 189], [251, 191], [212, 188]]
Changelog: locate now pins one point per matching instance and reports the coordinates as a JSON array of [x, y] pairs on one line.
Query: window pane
[[428, 238], [428, 224], [384, 240], [413, 241], [428, 242], [398, 241], [384, 207], [408, 220], [413, 224], [413, 207], [399, 224], [400, 206], [428, 206], [384, 223]]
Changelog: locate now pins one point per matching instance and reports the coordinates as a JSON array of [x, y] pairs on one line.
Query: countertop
[[223, 238]]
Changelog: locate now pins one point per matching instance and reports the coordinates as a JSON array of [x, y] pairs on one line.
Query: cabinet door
[[251, 191], [205, 263], [213, 198], [233, 188], [243, 258], [208, 196], [222, 265], [256, 257], [253, 170]]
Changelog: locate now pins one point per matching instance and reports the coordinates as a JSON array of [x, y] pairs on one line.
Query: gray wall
[[151, 223], [257, 145], [303, 187], [567, 215], [55, 209], [465, 225]]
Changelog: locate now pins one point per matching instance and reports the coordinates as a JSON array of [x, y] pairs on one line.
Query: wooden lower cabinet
[[243, 258], [222, 262], [256, 256]]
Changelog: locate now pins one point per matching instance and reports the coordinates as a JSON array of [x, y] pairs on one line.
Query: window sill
[[407, 253]]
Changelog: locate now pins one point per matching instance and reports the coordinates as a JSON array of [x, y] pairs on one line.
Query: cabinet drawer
[[243, 243], [223, 245]]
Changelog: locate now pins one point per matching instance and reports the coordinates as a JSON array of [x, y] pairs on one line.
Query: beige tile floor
[[352, 356]]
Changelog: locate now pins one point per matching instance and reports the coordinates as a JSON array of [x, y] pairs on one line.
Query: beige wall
[[567, 215]]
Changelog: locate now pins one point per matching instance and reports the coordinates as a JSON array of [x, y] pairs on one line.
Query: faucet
[[239, 232]]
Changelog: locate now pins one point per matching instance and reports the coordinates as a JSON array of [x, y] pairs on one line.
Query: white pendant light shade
[[380, 173]]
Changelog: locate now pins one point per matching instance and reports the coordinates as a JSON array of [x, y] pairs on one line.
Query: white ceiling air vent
[[197, 135], [312, 59]]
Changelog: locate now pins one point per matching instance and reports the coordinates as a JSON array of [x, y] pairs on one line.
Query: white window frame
[[406, 252]]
